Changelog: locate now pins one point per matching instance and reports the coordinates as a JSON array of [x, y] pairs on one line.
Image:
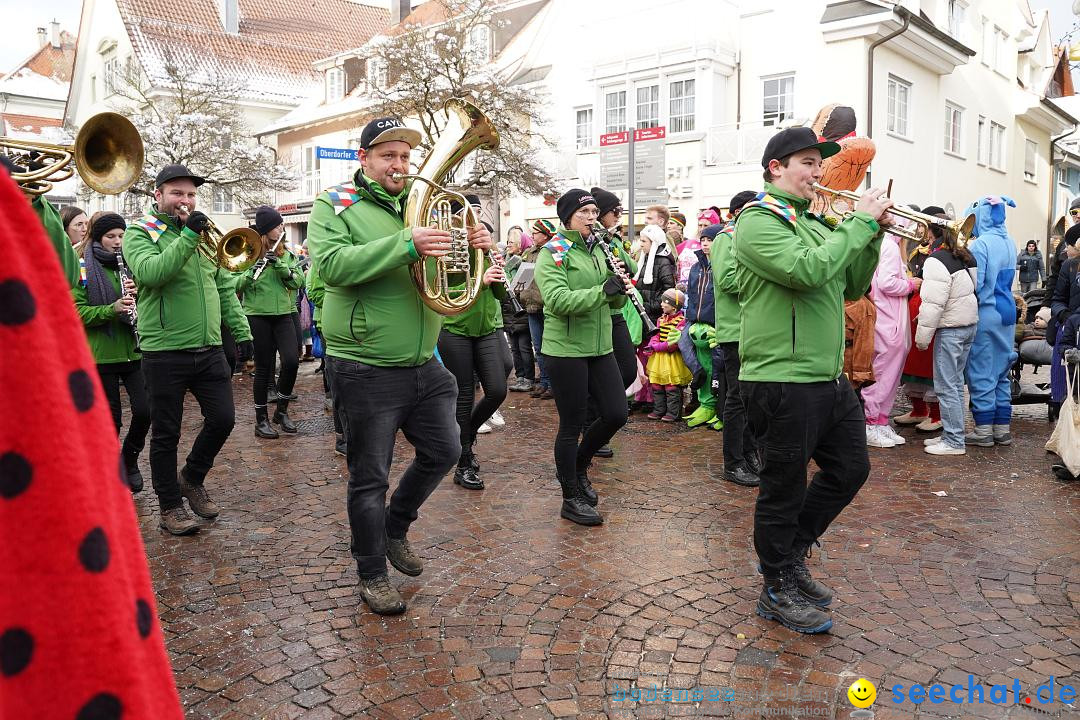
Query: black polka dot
[[94, 550], [16, 649], [144, 617], [82, 390], [102, 706], [15, 474], [16, 303]]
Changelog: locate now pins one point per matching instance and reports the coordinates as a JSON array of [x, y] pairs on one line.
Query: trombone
[[235, 251], [920, 233], [108, 154]]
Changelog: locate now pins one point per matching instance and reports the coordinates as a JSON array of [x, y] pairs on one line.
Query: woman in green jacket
[[472, 345], [269, 303], [579, 291], [106, 302]]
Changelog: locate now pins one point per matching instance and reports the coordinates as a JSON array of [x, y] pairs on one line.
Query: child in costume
[[668, 373], [992, 353]]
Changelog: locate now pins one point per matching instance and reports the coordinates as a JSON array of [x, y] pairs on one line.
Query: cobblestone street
[[522, 614]]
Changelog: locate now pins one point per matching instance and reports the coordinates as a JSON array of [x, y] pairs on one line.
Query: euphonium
[[108, 153], [450, 284], [959, 229], [235, 251]]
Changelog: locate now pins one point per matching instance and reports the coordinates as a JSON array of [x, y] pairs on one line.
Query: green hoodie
[[792, 285], [99, 320], [54, 228], [372, 312], [577, 313], [183, 296], [275, 291]]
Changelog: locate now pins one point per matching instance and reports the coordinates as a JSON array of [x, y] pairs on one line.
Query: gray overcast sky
[[21, 17]]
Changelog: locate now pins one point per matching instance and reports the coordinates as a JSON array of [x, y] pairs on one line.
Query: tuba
[[450, 284], [108, 153]]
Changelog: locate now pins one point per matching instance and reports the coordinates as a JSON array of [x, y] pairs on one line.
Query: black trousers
[[573, 381], [328, 387], [228, 346], [738, 440], [521, 349], [483, 357], [131, 376], [169, 375], [376, 402], [794, 423], [625, 357], [274, 334]]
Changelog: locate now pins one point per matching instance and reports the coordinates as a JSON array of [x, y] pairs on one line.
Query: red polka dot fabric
[[79, 635]]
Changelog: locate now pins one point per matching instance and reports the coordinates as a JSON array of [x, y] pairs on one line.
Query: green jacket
[[54, 228], [275, 291], [577, 313], [725, 290], [372, 312], [99, 321], [183, 297], [315, 292], [485, 315], [792, 285]]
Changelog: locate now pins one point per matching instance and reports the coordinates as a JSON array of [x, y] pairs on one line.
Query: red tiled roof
[[273, 51], [51, 61], [430, 13], [27, 123]]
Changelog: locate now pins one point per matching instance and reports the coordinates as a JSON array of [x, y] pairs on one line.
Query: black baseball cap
[[386, 129], [793, 140], [176, 172]]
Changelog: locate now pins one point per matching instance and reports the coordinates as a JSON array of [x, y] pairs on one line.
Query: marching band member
[[183, 299], [269, 291], [579, 291], [380, 341], [105, 303]]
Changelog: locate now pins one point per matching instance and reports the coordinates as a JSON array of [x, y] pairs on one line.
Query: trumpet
[[960, 230], [108, 154], [260, 267], [235, 251]]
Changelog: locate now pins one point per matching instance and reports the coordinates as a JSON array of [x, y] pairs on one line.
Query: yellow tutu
[[668, 368]]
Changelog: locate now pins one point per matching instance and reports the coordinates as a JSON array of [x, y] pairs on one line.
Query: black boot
[[574, 506], [263, 428], [586, 487], [781, 600], [273, 396], [339, 444], [659, 399], [134, 477], [466, 473], [809, 588], [281, 417], [674, 404]]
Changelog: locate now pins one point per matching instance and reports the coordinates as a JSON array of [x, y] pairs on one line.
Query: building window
[[982, 142], [480, 43], [779, 105], [335, 84], [1062, 177], [956, 17], [681, 110], [583, 128], [997, 146], [648, 106], [615, 111], [954, 123], [377, 73], [899, 106], [223, 200], [1031, 157], [112, 74], [310, 170]]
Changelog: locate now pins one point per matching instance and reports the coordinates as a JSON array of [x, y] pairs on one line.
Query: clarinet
[[133, 314], [648, 327], [261, 265], [506, 284]]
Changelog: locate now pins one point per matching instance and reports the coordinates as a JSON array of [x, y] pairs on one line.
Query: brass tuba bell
[[450, 284], [108, 154]]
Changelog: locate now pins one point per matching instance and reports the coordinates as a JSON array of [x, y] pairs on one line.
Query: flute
[[648, 327], [133, 313]]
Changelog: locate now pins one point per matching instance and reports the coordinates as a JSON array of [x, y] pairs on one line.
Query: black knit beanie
[[105, 223], [266, 219], [606, 201], [572, 201]]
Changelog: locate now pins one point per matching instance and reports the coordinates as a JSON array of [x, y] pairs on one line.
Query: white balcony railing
[[737, 143]]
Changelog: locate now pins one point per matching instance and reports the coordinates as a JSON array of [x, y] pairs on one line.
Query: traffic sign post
[[636, 168]]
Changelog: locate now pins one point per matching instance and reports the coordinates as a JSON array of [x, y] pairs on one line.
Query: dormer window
[[480, 43], [335, 84], [377, 73]]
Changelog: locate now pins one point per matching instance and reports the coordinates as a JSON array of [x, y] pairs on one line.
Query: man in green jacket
[[380, 339], [183, 297], [793, 272]]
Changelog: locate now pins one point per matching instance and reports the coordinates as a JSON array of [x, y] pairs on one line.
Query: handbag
[[1065, 440], [318, 346]]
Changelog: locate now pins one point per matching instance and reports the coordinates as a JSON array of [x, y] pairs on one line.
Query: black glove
[[614, 286], [197, 222], [245, 349], [271, 259]]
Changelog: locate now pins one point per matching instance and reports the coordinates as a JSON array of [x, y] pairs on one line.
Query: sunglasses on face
[[1075, 212]]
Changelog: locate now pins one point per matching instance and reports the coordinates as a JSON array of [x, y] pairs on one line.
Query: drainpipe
[[870, 77], [1052, 206]]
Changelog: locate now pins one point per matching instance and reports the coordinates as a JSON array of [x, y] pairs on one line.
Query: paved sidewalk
[[521, 614]]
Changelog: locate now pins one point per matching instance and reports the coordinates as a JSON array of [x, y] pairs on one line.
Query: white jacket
[[948, 296]]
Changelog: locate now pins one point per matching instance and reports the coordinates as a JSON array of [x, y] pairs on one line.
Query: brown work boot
[[178, 522], [381, 596], [200, 502], [402, 557]]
